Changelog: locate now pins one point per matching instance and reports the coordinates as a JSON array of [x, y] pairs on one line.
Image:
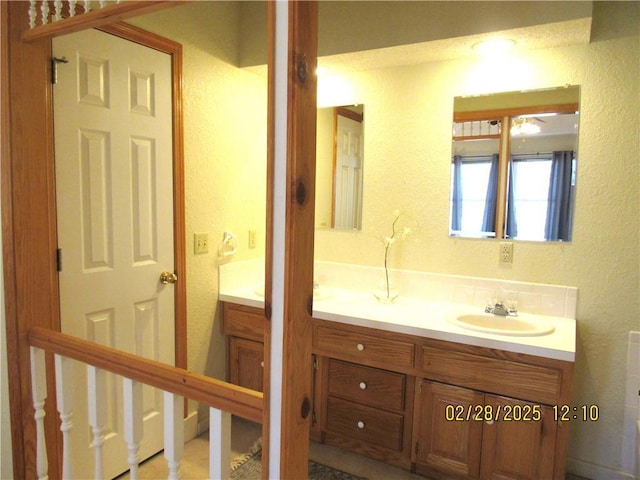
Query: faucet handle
[[498, 307]]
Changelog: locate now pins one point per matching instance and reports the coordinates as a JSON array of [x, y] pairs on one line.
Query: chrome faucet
[[499, 308]]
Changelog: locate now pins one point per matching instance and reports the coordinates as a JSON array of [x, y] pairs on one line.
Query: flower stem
[[386, 271], [386, 256]]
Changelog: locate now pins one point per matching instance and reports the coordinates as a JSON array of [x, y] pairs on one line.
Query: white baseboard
[[191, 427], [596, 472]]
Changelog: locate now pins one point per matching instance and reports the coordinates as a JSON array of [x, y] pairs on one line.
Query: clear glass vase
[[386, 291]]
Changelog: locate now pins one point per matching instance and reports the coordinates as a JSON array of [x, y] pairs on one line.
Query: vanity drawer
[[242, 321], [504, 377], [363, 348], [367, 385], [365, 424]]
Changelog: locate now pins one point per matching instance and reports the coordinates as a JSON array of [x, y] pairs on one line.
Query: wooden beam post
[[290, 246]]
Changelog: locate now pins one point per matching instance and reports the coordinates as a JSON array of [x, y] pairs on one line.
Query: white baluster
[[97, 392], [133, 423], [58, 9], [87, 6], [72, 8], [39, 395], [219, 443], [32, 13], [103, 3], [44, 10], [64, 396], [173, 433]]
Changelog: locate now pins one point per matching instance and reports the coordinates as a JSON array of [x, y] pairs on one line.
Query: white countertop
[[414, 316]]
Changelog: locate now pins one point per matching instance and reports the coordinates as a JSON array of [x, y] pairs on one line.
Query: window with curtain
[[530, 199], [539, 199], [541, 196], [474, 195]]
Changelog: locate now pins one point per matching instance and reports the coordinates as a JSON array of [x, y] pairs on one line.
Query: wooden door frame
[[29, 231], [29, 228]]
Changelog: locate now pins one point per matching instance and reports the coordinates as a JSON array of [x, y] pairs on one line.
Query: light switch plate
[[200, 243]]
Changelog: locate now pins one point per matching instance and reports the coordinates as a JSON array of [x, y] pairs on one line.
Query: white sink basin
[[318, 293], [523, 325]]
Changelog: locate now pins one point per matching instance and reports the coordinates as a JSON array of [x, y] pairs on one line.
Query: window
[[531, 177], [539, 198], [473, 173]]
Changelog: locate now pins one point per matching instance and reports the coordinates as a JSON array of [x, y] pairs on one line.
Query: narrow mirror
[[513, 165], [339, 163]]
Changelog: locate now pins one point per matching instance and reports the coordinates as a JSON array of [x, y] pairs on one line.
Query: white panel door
[[114, 182], [348, 174]]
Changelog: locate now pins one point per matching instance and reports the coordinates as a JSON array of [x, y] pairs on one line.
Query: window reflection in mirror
[[513, 167], [339, 164]]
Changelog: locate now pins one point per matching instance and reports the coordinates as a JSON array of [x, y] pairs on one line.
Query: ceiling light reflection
[[494, 46]]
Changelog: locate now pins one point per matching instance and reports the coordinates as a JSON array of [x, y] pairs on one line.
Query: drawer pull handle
[[360, 425], [360, 347], [262, 364], [363, 386]]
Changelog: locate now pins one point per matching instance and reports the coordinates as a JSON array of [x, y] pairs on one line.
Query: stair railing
[[223, 399]]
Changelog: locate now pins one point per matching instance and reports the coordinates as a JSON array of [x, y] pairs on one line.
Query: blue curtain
[[560, 210], [456, 195], [489, 218]]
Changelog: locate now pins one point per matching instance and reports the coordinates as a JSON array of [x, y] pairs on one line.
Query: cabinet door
[[521, 445], [448, 442], [246, 363]]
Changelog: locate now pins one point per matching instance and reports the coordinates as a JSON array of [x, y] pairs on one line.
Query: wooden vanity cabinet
[[244, 328], [457, 435], [522, 449], [367, 410], [483, 413], [246, 363], [404, 399], [365, 403], [446, 447]]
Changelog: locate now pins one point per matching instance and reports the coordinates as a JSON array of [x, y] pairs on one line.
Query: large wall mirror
[[513, 165], [339, 164]]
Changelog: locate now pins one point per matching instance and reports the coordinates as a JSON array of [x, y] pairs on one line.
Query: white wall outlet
[[506, 252], [200, 243], [252, 239]]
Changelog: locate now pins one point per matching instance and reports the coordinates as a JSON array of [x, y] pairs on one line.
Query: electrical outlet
[[252, 239], [506, 252], [200, 243]]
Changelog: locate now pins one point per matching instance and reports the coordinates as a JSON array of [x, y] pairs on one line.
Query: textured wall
[[407, 155]]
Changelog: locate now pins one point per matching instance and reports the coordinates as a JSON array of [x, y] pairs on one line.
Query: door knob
[[168, 277]]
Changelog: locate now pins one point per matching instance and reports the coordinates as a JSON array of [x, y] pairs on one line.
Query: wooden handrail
[[95, 18], [214, 393]]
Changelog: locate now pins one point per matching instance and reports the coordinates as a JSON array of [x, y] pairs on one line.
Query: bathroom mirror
[[513, 165], [339, 164]]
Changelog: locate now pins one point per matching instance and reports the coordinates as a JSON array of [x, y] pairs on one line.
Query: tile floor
[[244, 434]]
